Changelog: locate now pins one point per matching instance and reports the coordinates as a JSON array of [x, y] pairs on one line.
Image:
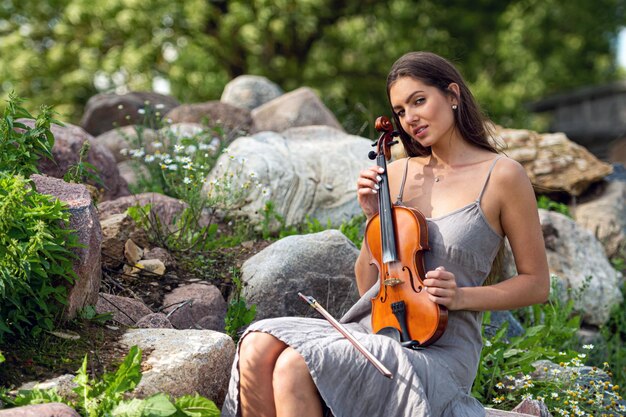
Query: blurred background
[[522, 58]]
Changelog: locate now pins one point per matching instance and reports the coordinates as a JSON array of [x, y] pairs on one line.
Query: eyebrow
[[408, 99]]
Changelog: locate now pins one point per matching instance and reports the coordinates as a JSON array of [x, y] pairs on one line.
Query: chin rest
[[395, 334]]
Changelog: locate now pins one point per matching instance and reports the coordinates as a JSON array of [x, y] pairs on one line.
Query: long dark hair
[[438, 72]]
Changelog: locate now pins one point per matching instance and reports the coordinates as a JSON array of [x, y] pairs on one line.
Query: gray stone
[[579, 261], [319, 264], [605, 217], [250, 91], [181, 362], [293, 169]]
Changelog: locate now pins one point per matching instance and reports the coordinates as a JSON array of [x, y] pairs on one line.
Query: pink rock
[[127, 311], [83, 219], [196, 306]]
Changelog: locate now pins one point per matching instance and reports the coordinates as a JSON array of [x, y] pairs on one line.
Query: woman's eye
[[400, 113], [420, 100]]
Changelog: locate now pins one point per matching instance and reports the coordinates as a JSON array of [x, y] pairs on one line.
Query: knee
[[290, 371], [257, 349]]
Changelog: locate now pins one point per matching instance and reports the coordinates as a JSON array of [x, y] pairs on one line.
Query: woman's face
[[424, 112]]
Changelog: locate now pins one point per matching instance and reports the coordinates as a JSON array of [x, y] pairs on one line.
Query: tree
[[511, 52]]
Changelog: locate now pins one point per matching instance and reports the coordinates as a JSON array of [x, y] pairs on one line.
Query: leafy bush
[[506, 369], [35, 257], [107, 396], [21, 149], [546, 203]]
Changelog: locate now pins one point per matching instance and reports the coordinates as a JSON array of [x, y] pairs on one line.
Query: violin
[[397, 238]]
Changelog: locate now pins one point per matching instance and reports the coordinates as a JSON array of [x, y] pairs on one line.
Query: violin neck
[[387, 230]]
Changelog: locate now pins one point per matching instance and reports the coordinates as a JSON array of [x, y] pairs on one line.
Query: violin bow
[[368, 355]]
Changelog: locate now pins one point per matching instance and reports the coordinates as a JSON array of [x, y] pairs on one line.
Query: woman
[[472, 197]]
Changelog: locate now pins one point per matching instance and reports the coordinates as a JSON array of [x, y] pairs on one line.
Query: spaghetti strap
[[406, 170], [480, 196]]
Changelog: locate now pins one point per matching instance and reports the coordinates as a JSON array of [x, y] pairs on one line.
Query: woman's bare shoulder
[[511, 179]]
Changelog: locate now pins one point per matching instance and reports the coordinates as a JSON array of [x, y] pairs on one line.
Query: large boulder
[[553, 162], [250, 91], [295, 172], [579, 260], [605, 216], [68, 141], [233, 121], [106, 111], [301, 107], [320, 265], [183, 362], [167, 209], [84, 220], [120, 141]]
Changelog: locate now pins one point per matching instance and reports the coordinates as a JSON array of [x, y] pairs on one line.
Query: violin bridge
[[391, 282]]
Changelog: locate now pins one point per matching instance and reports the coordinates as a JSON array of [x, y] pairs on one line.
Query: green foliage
[[83, 171], [238, 314], [550, 329], [544, 202], [614, 335], [21, 149], [352, 229], [1, 357], [35, 257], [511, 52], [107, 395], [88, 312]]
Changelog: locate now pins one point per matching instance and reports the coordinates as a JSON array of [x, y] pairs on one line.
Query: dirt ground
[[63, 351]]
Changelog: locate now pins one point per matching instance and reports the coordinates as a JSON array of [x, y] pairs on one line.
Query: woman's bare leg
[[258, 353], [295, 393]]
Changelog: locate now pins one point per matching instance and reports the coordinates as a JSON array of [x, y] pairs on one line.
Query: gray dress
[[433, 382]]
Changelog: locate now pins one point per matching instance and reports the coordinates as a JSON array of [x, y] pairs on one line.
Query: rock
[[104, 112], [605, 217], [120, 141], [41, 410], [294, 171], [117, 229], [234, 121], [575, 255], [250, 91], [84, 220], [132, 252], [319, 264], [162, 255], [301, 107], [553, 162], [134, 173], [181, 362], [533, 407], [68, 141], [64, 386], [151, 267], [126, 311], [154, 321], [166, 208], [498, 318], [196, 306]]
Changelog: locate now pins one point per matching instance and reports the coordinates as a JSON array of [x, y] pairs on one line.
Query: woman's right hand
[[367, 189]]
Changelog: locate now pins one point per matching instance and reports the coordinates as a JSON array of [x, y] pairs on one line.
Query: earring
[[454, 107]]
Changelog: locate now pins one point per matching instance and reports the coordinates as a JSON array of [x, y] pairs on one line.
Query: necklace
[[437, 178]]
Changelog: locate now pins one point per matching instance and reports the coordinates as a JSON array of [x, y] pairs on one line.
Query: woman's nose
[[411, 116]]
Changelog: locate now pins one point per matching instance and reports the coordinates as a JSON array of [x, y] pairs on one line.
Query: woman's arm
[[520, 222]]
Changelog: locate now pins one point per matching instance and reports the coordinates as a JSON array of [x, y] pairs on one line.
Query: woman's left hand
[[441, 287]]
